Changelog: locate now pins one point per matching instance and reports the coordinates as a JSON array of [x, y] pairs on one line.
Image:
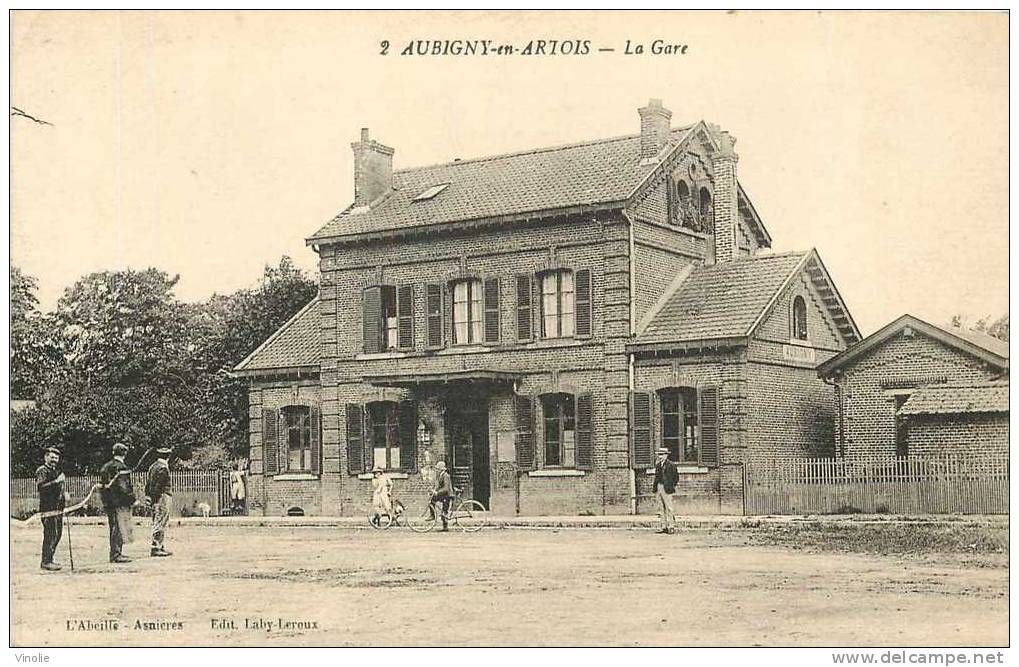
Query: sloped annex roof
[[295, 345], [950, 399], [982, 346], [728, 300], [588, 176]]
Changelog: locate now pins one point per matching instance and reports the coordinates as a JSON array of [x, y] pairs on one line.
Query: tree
[[231, 327], [998, 328], [131, 363], [34, 352]]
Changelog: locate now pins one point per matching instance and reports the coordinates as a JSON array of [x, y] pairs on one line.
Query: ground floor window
[[384, 433], [560, 429], [679, 424], [297, 422]]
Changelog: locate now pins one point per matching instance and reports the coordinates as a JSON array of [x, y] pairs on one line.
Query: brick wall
[[869, 402], [716, 489], [969, 434]]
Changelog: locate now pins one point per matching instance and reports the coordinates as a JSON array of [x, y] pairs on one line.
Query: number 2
[[385, 47]]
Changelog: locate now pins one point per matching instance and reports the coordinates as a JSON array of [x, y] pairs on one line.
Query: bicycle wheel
[[471, 516], [399, 513], [383, 521], [420, 519]]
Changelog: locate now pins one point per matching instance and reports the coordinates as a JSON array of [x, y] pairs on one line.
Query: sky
[[210, 144]]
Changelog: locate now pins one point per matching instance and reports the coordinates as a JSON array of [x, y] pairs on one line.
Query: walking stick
[[70, 549]]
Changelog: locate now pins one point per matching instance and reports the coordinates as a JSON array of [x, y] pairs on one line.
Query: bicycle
[[385, 520], [468, 515]]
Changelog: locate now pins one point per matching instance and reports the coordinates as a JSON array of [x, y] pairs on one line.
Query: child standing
[[382, 494]]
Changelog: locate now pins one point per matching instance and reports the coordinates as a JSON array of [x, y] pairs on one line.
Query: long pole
[[70, 549]]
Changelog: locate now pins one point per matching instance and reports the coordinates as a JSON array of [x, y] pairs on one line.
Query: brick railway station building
[[543, 321]]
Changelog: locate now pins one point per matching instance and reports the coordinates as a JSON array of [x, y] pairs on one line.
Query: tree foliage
[[131, 363], [997, 328]]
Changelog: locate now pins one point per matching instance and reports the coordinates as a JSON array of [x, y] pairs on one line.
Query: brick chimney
[[654, 128], [725, 205], [373, 169]]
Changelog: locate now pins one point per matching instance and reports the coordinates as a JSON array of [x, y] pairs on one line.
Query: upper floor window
[[388, 318], [467, 312], [560, 429], [799, 318], [557, 304], [297, 437]]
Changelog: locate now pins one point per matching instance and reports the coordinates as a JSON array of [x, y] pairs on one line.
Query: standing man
[[442, 493], [157, 493], [118, 497], [666, 477], [52, 497]]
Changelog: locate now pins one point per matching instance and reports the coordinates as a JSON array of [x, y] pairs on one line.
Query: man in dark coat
[[666, 477], [157, 494], [118, 497], [50, 482], [442, 493]]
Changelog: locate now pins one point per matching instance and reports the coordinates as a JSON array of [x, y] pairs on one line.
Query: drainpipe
[[840, 406], [632, 474]]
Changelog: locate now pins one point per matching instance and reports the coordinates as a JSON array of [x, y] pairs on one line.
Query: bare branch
[[15, 111]]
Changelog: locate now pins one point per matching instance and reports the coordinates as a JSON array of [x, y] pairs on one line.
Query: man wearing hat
[[666, 477], [118, 497], [442, 492], [157, 493], [50, 482]]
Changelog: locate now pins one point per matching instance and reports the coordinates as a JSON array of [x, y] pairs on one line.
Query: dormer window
[[430, 192], [799, 318]]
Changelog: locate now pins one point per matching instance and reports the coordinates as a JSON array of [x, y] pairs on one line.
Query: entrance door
[[468, 442]]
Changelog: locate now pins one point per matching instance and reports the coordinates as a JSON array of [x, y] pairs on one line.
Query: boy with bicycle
[[442, 493]]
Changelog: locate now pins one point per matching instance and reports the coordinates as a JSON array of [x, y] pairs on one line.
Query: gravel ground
[[331, 586]]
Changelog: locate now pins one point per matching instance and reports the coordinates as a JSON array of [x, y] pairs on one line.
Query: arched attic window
[[799, 318], [704, 206]]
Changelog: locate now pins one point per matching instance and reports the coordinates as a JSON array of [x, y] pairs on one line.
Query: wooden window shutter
[[524, 309], [585, 445], [492, 310], [708, 424], [433, 313], [355, 438], [641, 443], [371, 315], [582, 285], [408, 421], [315, 417], [405, 313], [525, 432], [270, 441]]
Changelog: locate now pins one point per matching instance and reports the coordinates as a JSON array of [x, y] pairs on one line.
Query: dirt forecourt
[[746, 583]]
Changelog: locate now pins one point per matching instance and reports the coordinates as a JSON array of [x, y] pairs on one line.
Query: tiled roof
[[989, 343], [722, 300], [958, 399], [562, 177], [294, 345], [975, 343]]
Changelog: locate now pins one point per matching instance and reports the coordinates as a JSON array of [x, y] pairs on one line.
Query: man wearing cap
[[157, 493], [118, 497], [50, 482], [666, 477], [442, 492]]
